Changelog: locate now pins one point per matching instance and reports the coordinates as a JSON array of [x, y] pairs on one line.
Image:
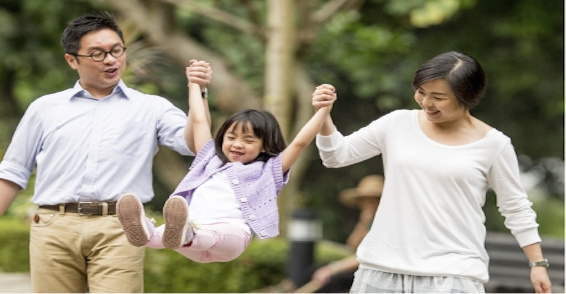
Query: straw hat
[[370, 186]]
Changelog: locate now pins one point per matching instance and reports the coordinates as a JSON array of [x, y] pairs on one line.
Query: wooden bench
[[509, 270]]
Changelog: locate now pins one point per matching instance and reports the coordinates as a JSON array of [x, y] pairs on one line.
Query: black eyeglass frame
[[91, 55]]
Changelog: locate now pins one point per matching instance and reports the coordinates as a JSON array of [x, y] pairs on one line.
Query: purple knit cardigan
[[256, 186]]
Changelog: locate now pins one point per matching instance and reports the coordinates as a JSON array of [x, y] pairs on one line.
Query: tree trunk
[[280, 53]]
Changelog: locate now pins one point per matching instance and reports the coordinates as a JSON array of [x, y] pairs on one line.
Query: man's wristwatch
[[543, 262], [204, 93]]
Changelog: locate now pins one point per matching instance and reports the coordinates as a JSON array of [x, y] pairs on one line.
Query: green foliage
[[261, 264], [14, 237], [32, 45], [550, 216], [425, 13]]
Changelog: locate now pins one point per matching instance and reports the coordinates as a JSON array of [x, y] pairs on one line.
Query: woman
[[439, 161]]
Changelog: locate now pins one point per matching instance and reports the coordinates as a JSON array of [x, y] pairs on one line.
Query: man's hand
[[199, 72]]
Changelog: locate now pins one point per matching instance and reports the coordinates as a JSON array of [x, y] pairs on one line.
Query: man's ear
[[71, 60]]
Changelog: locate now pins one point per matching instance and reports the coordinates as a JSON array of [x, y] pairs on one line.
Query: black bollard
[[303, 232]]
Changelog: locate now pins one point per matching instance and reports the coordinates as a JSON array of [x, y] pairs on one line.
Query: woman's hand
[[540, 280], [323, 95]]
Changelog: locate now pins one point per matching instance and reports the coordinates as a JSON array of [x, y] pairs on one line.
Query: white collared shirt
[[92, 149]]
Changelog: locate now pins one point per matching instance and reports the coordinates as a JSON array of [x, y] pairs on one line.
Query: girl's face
[[439, 102], [241, 146]]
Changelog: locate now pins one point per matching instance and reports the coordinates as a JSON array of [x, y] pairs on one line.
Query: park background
[[271, 54]]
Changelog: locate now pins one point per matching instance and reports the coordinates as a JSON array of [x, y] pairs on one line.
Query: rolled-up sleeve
[[20, 158], [171, 129]]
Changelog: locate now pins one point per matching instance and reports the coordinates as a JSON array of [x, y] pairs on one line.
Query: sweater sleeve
[[337, 150], [512, 200], [280, 179]]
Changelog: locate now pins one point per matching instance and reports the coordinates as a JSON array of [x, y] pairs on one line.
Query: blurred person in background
[[337, 276]]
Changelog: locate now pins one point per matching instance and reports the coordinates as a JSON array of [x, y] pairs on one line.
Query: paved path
[[15, 283]]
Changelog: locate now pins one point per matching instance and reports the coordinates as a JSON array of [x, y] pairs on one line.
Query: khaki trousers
[[74, 253]]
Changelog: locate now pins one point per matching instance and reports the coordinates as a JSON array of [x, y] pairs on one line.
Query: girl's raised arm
[[324, 97], [198, 72], [198, 130]]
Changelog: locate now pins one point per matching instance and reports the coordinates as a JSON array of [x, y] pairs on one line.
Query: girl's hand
[[323, 95], [199, 72]]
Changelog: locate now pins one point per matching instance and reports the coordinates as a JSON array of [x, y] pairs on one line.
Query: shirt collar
[[121, 90]]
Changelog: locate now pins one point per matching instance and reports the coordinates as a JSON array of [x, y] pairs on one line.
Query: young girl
[[230, 191]]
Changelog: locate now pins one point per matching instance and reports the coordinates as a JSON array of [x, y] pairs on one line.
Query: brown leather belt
[[84, 208]]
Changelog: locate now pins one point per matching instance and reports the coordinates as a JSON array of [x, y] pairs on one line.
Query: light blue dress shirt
[[92, 149]]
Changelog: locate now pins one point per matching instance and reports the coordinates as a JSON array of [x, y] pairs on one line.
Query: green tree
[[264, 58]]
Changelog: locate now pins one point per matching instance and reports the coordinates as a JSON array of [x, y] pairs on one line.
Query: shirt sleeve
[[20, 158], [171, 128]]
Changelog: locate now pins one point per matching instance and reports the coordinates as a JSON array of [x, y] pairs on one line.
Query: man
[[90, 144]]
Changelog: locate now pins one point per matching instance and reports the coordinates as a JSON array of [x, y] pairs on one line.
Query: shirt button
[[251, 217], [263, 233], [243, 199], [235, 182]]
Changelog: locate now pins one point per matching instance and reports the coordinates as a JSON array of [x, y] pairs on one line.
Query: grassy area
[[550, 216]]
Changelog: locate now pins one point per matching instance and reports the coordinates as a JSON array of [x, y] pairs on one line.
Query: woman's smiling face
[[439, 102]]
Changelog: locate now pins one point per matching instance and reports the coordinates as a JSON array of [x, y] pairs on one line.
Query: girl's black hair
[[464, 76], [264, 126]]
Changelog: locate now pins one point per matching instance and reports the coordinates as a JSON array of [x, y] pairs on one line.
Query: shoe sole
[[175, 214], [130, 212]]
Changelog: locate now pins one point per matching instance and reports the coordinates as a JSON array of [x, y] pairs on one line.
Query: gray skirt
[[372, 281]]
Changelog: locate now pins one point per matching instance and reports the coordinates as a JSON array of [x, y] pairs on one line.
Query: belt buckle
[[80, 207]]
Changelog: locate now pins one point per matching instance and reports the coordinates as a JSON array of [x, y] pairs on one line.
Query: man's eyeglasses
[[99, 55]]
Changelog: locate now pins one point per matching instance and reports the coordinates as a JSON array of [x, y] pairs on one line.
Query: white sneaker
[[137, 227], [178, 231]]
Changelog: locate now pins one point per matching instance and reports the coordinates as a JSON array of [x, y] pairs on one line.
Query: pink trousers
[[219, 242]]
